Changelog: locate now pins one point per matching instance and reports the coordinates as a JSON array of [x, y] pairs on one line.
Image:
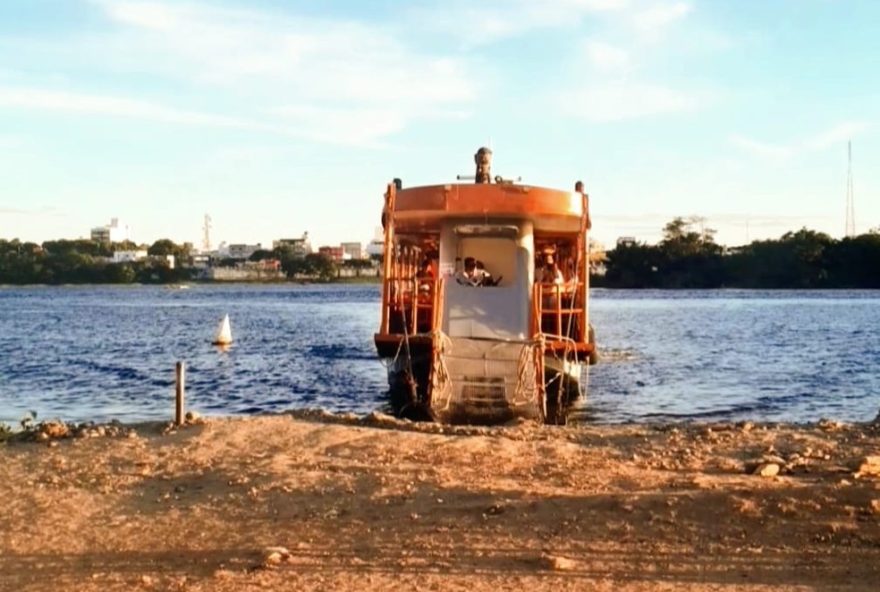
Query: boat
[[515, 341]]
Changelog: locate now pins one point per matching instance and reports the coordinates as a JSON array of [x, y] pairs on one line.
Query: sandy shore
[[372, 504]]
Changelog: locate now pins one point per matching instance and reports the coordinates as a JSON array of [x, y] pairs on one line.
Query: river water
[[101, 353]]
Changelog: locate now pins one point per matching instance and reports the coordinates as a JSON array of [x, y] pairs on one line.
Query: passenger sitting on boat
[[551, 273], [468, 276], [426, 268], [483, 277], [426, 272]]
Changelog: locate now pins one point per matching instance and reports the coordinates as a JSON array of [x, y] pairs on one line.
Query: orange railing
[[411, 305], [558, 310]]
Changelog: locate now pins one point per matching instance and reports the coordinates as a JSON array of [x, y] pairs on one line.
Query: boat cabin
[[533, 248]]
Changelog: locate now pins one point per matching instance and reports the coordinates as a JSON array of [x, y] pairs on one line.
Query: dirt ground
[[317, 502]]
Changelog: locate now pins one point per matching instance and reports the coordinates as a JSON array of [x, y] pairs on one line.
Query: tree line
[[86, 261], [689, 257]]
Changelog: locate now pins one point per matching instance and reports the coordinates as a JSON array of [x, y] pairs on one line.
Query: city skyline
[[279, 118]]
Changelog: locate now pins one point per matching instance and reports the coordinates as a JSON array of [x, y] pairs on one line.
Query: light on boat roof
[[507, 230]]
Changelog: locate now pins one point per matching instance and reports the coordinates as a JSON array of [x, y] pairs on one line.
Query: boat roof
[[427, 208]]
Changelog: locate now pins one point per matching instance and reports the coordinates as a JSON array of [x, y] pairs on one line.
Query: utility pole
[[850, 206]]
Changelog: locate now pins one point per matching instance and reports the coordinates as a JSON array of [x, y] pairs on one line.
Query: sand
[[318, 502]]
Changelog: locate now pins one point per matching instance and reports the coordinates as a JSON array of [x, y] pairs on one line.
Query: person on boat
[[483, 160], [483, 277], [426, 268], [468, 276], [551, 274], [426, 273]]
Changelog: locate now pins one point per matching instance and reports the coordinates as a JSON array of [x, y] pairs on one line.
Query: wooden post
[[180, 393]]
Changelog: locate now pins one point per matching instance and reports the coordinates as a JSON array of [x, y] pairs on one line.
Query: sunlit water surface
[[100, 353]]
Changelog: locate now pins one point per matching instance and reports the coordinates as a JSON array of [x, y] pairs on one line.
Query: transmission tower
[[206, 234], [850, 207]]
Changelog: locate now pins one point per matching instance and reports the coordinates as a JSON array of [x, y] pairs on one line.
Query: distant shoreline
[[295, 282], [378, 281]]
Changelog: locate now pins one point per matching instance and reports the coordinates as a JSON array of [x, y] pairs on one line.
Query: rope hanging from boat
[[525, 375], [412, 385], [441, 385], [562, 379]]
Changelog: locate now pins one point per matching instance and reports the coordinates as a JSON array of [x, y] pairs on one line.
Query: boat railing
[[558, 310], [412, 304]]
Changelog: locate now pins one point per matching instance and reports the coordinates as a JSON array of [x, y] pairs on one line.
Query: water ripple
[[109, 352]]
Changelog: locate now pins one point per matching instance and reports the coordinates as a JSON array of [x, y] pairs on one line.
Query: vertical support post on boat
[[179, 392], [585, 271], [415, 306], [558, 288], [536, 308], [540, 390], [388, 255], [437, 316]]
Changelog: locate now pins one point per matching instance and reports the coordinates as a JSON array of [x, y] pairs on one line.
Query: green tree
[[689, 257], [120, 273], [633, 265], [854, 262], [262, 255], [164, 247]]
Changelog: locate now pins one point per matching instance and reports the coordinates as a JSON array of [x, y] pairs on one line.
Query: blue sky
[[278, 117]]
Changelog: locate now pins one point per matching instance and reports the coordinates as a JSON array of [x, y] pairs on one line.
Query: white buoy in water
[[224, 332]]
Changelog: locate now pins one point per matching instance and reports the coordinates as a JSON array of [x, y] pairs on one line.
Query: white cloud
[[355, 73], [833, 136], [70, 102], [606, 57], [837, 134], [652, 21], [10, 142], [313, 57], [143, 14], [762, 149], [627, 100], [329, 124], [360, 126], [491, 20]]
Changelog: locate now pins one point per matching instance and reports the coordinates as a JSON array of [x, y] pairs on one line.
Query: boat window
[[487, 261], [487, 230]]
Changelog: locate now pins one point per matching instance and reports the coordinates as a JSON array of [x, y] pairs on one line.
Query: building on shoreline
[[300, 247], [129, 256], [111, 233], [243, 251], [335, 254], [247, 271], [352, 250], [376, 248]]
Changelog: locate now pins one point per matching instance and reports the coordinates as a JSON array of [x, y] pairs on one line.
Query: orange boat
[[485, 298]]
